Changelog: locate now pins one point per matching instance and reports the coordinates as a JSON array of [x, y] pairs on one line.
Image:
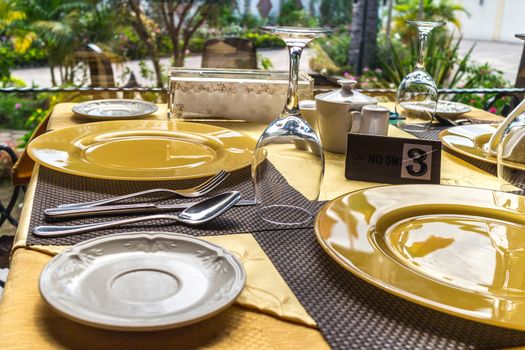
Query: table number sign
[[392, 160]]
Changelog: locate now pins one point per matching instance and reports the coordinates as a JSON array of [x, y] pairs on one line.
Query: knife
[[78, 212]]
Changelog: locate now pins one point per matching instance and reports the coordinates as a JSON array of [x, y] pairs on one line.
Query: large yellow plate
[[142, 150], [455, 249], [470, 140]]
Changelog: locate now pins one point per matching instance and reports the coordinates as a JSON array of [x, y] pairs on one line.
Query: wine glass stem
[[292, 100], [423, 36]]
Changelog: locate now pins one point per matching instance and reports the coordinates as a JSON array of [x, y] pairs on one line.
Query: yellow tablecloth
[[266, 315]]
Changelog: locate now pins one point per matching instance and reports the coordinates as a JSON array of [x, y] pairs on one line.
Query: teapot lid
[[346, 95]]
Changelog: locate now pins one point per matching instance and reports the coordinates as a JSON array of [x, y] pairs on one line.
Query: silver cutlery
[[73, 212], [192, 192], [197, 214]]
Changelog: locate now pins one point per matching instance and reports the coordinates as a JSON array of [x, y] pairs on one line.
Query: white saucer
[[142, 281], [114, 109]]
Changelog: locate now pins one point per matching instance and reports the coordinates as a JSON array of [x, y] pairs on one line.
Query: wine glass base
[[283, 214]]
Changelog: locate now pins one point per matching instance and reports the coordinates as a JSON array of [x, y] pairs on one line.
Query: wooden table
[[266, 315]]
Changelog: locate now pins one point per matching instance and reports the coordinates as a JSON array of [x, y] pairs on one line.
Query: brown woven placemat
[[350, 313], [353, 314], [54, 188]]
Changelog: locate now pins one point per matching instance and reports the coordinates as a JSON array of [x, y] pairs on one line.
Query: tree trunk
[[158, 70], [141, 30], [61, 71], [178, 60], [53, 79], [364, 35]]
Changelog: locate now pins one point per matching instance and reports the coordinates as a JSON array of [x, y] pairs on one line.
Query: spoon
[[197, 214]]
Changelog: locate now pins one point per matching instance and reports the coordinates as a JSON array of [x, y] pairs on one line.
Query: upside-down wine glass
[[289, 147], [417, 95]]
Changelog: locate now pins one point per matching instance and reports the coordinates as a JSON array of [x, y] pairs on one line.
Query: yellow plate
[[470, 140], [142, 150], [455, 249]]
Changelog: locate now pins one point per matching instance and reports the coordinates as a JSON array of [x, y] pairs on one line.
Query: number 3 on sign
[[417, 161]]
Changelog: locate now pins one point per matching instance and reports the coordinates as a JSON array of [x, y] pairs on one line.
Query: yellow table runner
[[267, 315]]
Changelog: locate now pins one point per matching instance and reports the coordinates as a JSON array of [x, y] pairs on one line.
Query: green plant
[[442, 61], [263, 40], [292, 16], [335, 12], [481, 76], [6, 62], [265, 62], [322, 62], [251, 22], [145, 71], [336, 46], [34, 119], [197, 44], [14, 38], [15, 110], [433, 10], [61, 28], [35, 55]]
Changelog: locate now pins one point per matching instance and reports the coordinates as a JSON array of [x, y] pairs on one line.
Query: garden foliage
[[37, 32]]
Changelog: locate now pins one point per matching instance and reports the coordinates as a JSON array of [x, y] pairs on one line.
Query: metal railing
[[32, 90], [28, 90]]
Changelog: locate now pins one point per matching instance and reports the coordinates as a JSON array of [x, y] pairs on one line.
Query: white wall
[[496, 20]]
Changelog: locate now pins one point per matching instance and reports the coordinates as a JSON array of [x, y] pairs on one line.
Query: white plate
[[114, 109], [445, 109], [142, 281]]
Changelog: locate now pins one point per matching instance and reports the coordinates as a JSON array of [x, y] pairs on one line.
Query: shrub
[[482, 76], [264, 40], [196, 44], [290, 15], [15, 110], [337, 45]]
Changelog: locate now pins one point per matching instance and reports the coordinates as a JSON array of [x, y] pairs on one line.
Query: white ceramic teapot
[[333, 114]]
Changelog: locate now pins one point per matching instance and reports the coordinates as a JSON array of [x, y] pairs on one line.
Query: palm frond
[[54, 32]]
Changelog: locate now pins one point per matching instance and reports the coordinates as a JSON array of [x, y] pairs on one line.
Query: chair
[[514, 101], [6, 241], [100, 69], [229, 53]]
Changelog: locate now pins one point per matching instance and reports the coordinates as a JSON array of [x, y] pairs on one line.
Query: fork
[[192, 192], [456, 122]]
